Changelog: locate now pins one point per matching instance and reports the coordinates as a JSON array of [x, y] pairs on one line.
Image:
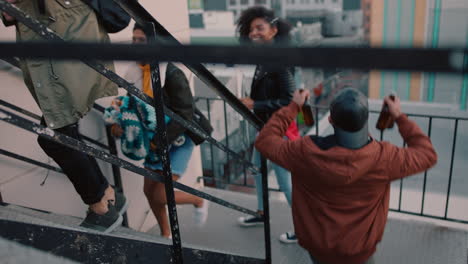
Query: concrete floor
[[406, 240]]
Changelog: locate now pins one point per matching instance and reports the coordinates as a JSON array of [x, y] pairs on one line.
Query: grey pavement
[[15, 253], [405, 241]]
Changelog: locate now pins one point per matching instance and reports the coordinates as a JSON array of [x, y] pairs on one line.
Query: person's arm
[[287, 87], [418, 156], [180, 101], [271, 143]]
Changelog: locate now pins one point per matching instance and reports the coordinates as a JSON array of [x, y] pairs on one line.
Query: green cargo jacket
[[64, 90]]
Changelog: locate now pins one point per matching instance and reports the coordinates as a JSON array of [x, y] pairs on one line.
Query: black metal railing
[[14, 119], [111, 147], [331, 87], [415, 59]]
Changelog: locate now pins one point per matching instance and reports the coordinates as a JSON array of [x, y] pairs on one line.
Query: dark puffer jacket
[[272, 88]]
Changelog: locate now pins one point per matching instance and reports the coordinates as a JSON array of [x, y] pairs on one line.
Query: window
[[244, 2], [260, 2], [232, 2]]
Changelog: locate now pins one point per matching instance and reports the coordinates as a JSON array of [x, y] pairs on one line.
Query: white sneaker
[[200, 215], [288, 237]]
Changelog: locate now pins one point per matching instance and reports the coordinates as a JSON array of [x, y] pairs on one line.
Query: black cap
[[349, 112]]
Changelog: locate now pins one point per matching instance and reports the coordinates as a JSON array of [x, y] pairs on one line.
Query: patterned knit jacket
[[138, 121]]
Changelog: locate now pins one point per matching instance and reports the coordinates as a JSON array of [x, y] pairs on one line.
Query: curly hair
[[250, 14], [138, 26]]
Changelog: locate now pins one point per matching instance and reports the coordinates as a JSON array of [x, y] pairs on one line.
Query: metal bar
[[115, 169], [451, 168], [20, 110], [316, 122], [37, 117], [415, 59], [80, 146], [401, 188], [48, 34], [28, 160], [237, 184], [431, 216], [425, 173], [13, 61], [226, 133], [266, 209], [95, 142], [211, 145], [163, 151]]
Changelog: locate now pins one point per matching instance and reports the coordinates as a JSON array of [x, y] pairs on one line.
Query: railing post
[[266, 209], [115, 169], [162, 149], [316, 121], [213, 171], [425, 173], [451, 167], [227, 142]]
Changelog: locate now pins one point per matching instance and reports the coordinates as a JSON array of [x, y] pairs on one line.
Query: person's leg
[[88, 180], [156, 195], [256, 161], [82, 170], [248, 221], [283, 177]]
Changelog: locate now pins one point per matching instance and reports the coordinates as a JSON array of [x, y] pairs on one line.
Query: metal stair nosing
[[38, 229]]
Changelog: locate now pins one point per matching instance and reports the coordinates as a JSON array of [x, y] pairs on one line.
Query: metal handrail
[[176, 250], [35, 128]]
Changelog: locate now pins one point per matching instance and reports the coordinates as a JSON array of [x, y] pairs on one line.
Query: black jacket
[[272, 88], [178, 98]]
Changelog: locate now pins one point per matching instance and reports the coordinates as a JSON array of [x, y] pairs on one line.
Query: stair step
[[37, 226], [12, 252]]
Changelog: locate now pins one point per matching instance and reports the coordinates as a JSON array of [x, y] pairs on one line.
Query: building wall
[[215, 5], [21, 183], [237, 6], [419, 23]]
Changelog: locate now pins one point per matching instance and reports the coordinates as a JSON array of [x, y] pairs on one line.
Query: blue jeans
[[282, 176]]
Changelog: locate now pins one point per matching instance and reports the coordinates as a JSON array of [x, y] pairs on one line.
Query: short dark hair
[[138, 26], [349, 110], [248, 15]]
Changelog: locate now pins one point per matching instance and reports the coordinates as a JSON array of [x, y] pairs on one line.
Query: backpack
[[110, 14]]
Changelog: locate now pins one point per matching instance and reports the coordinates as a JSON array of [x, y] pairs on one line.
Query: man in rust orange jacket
[[341, 183]]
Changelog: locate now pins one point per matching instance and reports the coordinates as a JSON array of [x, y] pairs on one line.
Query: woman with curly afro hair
[[272, 88]]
